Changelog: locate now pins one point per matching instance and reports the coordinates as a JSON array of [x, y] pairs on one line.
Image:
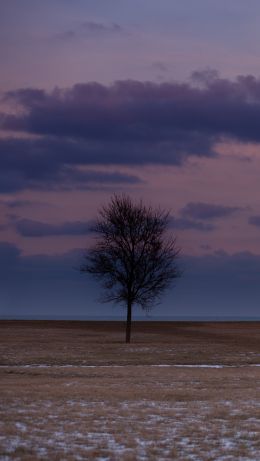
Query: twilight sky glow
[[160, 100]]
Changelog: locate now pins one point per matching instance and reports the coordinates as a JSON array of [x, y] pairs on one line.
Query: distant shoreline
[[137, 319]]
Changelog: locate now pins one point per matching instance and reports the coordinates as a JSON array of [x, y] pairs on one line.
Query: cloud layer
[[92, 29], [218, 284], [142, 111], [51, 164], [191, 224], [32, 228], [127, 123], [207, 211], [254, 220]]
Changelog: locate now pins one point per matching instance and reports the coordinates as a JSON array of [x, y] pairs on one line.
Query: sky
[[157, 100]]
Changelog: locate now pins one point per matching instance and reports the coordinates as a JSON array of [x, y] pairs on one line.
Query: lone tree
[[133, 257]]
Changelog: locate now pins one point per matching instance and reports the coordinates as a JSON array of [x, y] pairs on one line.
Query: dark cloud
[[97, 28], [241, 266], [52, 164], [143, 111], [32, 228], [205, 247], [205, 211], [19, 203], [218, 284], [126, 117], [22, 203], [159, 66], [191, 224], [205, 77], [92, 29], [127, 123], [43, 285], [254, 220], [9, 256]]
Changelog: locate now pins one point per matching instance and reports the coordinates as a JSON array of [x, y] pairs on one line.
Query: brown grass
[[130, 410]]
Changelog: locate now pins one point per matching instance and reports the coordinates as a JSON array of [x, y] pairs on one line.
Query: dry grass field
[[179, 391]]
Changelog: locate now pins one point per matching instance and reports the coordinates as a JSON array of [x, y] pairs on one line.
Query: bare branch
[[132, 256]]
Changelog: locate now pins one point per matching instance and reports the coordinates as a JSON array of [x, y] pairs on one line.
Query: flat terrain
[[180, 391]]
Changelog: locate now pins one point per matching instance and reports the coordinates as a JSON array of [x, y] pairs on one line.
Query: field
[[178, 391]]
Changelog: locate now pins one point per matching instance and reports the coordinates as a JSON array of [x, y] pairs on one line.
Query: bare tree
[[133, 256]]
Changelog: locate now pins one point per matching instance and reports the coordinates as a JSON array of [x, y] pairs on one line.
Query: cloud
[[241, 265], [205, 77], [17, 203], [97, 28], [9, 256], [254, 220], [31, 228], [44, 285], [52, 164], [17, 268], [126, 123], [205, 211], [55, 163], [142, 111], [190, 224], [92, 29], [218, 284], [159, 66]]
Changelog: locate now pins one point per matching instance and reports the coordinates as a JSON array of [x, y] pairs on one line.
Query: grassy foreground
[[179, 391]]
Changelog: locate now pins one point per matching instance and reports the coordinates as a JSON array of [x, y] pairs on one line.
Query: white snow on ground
[[21, 427], [130, 429]]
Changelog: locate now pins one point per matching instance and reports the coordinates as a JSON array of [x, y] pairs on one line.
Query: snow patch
[[160, 365], [22, 427]]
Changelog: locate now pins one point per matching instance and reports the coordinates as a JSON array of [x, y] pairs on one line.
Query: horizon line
[[137, 318]]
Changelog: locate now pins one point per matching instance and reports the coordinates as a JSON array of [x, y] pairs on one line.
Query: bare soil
[[179, 391]]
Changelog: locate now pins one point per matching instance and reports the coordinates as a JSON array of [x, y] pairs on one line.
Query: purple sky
[[160, 100]]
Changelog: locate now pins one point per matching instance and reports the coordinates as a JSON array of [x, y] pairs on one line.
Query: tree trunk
[[128, 322]]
